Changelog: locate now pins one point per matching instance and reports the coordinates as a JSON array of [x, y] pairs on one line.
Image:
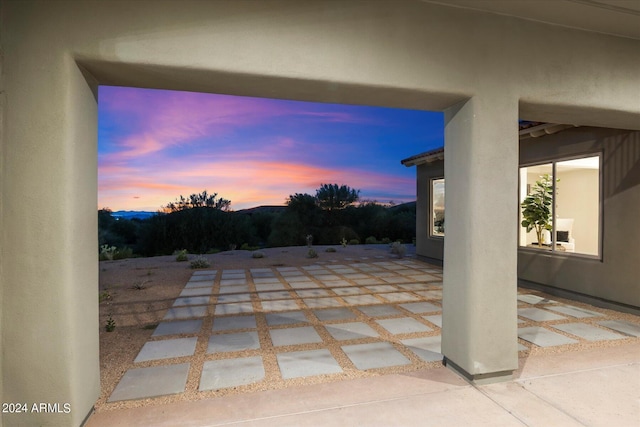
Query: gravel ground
[[137, 292]]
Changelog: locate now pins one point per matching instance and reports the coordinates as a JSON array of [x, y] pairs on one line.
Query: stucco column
[[49, 247], [479, 327]]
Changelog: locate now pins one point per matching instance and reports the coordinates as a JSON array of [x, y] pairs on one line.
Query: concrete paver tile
[[361, 299], [589, 332], [427, 348], [627, 328], [178, 327], [237, 341], [233, 289], [306, 293], [307, 363], [193, 292], [534, 299], [286, 318], [573, 311], [321, 302], [379, 310], [217, 374], [538, 315], [185, 312], [436, 319], [279, 305], [399, 297], [350, 331], [229, 298], [139, 383], [374, 355], [421, 307], [184, 301], [233, 308], [403, 325], [293, 336], [166, 349], [334, 314], [233, 322], [543, 337]]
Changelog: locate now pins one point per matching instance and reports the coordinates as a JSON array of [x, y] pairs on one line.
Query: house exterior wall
[[615, 276], [409, 54]]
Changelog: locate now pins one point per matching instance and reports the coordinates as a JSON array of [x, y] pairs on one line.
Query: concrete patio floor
[[595, 387], [235, 329]]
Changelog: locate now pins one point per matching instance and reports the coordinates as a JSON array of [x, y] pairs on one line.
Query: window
[[437, 207], [560, 206]]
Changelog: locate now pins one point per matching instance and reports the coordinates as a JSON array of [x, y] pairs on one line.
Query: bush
[[399, 249], [247, 247], [200, 262], [371, 240], [181, 256], [386, 240], [330, 250], [354, 242], [312, 253], [257, 254]]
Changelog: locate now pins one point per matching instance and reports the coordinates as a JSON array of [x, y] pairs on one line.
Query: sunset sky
[[154, 145]]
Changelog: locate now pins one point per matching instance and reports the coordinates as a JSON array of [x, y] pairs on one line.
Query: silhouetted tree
[[201, 200], [333, 196]]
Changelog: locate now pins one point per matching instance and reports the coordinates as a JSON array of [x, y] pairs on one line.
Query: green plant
[[312, 253], [309, 239], [104, 296], [536, 207], [371, 240], [181, 255], [354, 242], [344, 242], [213, 251], [257, 254], [330, 250], [200, 262], [110, 325], [386, 240]]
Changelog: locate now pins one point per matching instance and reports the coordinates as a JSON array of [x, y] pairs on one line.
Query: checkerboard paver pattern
[[323, 320]]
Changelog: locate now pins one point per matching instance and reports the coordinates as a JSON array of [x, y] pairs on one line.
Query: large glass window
[[437, 207], [560, 206]]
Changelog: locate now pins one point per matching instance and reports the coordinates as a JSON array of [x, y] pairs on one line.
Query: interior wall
[[614, 277], [578, 197]]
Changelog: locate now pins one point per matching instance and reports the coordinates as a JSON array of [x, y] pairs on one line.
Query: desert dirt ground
[[137, 292]]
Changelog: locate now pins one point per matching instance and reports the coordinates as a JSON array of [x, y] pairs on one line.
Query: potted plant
[[536, 207]]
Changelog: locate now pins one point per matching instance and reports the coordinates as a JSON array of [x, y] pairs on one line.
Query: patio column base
[[479, 379]]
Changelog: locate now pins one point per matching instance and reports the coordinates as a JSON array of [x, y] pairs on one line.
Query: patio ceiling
[[615, 17]]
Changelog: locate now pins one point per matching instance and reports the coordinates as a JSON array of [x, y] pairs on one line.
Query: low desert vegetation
[[205, 223]]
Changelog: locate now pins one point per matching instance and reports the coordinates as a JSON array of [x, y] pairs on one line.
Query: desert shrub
[[200, 262], [181, 255], [248, 247], [213, 251], [371, 240], [354, 242], [110, 325], [330, 250], [399, 249], [312, 253], [257, 254], [344, 242], [385, 240], [123, 253]]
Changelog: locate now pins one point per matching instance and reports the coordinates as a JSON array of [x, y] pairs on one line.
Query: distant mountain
[[409, 206], [132, 214], [263, 209]]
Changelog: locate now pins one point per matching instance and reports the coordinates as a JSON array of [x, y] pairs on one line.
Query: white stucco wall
[[398, 54]]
